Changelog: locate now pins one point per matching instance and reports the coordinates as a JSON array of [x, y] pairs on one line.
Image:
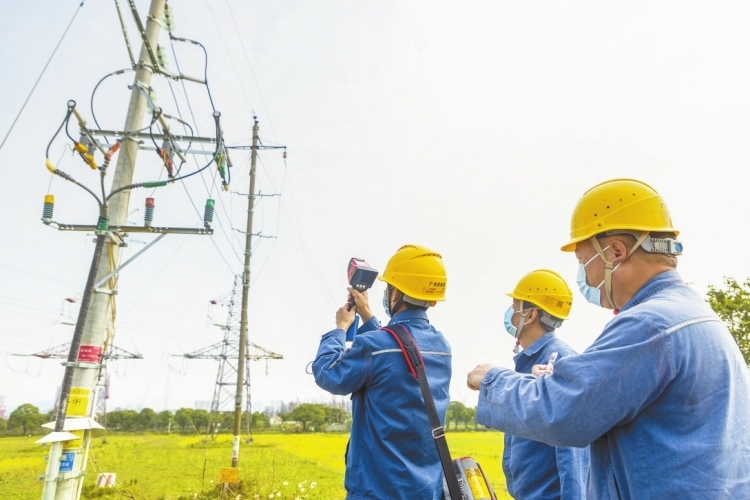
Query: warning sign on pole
[[90, 353], [229, 475], [78, 402]]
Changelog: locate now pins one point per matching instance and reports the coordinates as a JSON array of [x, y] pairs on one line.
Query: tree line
[[305, 417], [731, 301]]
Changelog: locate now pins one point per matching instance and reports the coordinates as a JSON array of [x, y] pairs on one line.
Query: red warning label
[[90, 353]]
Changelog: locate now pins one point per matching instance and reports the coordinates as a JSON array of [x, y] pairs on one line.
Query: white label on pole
[[236, 448]]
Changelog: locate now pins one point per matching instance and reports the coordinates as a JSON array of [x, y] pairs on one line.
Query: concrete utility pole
[[65, 474], [241, 357]]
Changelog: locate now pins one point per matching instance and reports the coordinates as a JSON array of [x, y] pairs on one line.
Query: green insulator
[[221, 164], [155, 184], [208, 214], [103, 225]]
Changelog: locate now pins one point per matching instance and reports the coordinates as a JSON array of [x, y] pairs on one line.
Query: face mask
[[592, 294], [514, 330], [386, 304], [508, 323]]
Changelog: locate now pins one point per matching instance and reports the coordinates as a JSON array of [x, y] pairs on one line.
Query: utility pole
[[81, 371], [245, 290]]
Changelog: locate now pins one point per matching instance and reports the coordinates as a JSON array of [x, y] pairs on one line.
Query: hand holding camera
[[361, 277]]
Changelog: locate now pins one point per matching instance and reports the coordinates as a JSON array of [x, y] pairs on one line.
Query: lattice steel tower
[[226, 353]]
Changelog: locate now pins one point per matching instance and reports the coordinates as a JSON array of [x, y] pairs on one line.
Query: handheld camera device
[[361, 277]]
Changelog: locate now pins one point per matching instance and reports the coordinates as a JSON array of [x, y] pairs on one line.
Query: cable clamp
[[106, 291]]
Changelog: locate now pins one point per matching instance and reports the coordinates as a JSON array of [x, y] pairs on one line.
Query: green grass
[[178, 467]]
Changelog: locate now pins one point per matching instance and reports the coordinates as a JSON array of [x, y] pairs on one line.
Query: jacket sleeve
[[369, 325], [608, 385], [573, 468], [338, 370]]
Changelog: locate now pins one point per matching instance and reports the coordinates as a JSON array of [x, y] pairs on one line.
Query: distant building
[[3, 409], [275, 421], [203, 405]]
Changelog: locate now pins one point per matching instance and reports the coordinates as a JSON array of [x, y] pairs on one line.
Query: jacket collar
[[654, 286], [409, 315], [537, 345]]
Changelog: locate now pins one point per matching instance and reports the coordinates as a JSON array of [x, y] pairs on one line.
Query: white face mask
[[592, 294]]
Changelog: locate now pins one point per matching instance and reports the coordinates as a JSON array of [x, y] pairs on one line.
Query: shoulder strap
[[416, 366]]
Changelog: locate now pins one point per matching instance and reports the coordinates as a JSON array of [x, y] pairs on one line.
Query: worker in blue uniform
[[391, 452], [662, 396], [534, 470]]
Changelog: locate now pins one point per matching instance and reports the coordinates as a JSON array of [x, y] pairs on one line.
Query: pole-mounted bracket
[[80, 364], [117, 239]]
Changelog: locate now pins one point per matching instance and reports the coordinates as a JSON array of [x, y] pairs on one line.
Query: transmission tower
[[227, 353], [102, 387]]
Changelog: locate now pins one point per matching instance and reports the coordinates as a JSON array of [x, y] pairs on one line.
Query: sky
[[470, 128]]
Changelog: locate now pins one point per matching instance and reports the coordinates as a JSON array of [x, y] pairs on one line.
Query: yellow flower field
[[178, 467]]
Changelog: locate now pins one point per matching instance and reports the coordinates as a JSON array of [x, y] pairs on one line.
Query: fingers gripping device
[[361, 277]]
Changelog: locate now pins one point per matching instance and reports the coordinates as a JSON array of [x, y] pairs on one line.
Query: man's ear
[[620, 250], [533, 315]]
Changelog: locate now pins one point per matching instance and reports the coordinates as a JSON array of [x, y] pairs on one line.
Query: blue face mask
[[386, 305], [509, 327], [592, 294], [508, 323]]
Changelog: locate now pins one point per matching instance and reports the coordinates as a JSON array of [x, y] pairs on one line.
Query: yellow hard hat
[[624, 204], [418, 272], [547, 290]]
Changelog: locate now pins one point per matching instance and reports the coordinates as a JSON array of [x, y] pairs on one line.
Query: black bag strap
[[416, 366]]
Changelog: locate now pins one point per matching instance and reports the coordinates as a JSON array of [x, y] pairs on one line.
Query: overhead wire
[[93, 92], [231, 61], [252, 72], [195, 123], [23, 106]]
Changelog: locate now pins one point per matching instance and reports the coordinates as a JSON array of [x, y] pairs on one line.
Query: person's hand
[[344, 317], [475, 377], [538, 370], [362, 301]]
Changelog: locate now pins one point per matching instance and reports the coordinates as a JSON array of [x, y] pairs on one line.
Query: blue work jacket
[[538, 471], [662, 396], [391, 453]]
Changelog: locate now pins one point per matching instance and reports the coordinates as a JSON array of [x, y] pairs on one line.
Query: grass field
[[178, 467]]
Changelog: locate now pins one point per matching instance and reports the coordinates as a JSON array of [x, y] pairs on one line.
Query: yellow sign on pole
[[229, 475], [78, 402], [74, 444]]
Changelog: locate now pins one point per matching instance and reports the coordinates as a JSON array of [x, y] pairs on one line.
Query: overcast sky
[[472, 128]]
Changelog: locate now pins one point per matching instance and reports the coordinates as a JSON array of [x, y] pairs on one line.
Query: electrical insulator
[[161, 57], [154, 99], [221, 163], [102, 226], [148, 215], [112, 150], [208, 214], [166, 152], [86, 150], [49, 208], [285, 154], [168, 18]]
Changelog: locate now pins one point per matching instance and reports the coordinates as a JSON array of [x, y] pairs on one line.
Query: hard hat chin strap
[[609, 267]]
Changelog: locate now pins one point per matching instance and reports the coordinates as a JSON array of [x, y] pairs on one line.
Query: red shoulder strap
[[408, 347]]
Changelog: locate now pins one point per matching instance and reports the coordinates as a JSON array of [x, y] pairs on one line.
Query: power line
[[226, 49], [40, 76], [252, 72]]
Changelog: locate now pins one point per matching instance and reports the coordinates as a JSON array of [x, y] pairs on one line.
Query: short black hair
[[547, 328]]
